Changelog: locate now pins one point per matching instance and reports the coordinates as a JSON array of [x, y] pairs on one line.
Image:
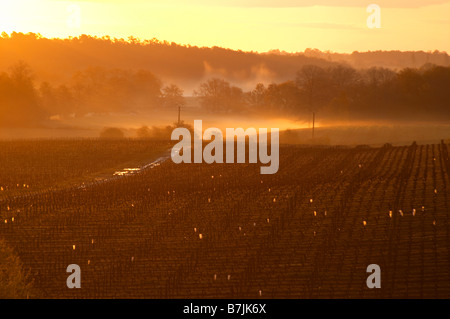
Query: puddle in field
[[127, 171], [130, 171], [134, 170]]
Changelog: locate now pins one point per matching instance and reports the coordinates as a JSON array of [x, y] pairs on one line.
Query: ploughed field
[[226, 231]]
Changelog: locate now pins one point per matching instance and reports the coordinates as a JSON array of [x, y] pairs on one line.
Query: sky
[[248, 25]]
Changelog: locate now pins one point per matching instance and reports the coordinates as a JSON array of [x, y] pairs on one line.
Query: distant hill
[[57, 60]]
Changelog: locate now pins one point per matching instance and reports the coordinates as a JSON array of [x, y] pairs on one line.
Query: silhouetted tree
[[173, 96], [18, 98], [284, 97], [217, 95], [256, 97]]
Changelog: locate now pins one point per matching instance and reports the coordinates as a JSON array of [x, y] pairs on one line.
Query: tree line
[[340, 92], [337, 92], [56, 60], [24, 102]]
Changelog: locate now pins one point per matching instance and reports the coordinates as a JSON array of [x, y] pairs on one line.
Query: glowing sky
[[290, 25]]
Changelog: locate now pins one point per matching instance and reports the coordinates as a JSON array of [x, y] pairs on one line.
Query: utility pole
[[179, 115], [314, 118]]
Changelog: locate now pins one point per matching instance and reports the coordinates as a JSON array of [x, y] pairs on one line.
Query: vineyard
[[225, 230]]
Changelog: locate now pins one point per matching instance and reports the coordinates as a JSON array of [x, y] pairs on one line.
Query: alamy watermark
[[181, 152], [74, 19], [374, 279], [374, 20], [74, 280]]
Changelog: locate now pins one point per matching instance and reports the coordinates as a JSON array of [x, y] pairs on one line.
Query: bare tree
[[217, 95]]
